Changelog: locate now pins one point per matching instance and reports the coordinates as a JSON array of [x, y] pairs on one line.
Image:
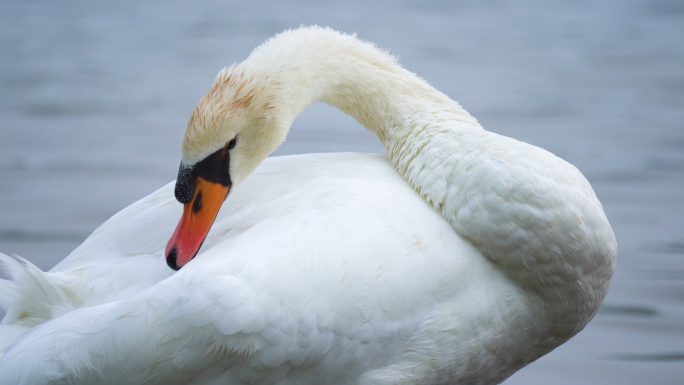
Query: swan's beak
[[198, 216]]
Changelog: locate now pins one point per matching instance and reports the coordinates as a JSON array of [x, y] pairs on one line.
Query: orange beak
[[198, 216]]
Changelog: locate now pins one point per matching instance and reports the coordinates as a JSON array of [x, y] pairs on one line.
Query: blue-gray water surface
[[94, 97]]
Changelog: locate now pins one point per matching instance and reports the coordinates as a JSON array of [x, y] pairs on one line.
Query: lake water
[[94, 97]]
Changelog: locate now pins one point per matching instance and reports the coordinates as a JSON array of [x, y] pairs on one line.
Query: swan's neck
[[406, 113]]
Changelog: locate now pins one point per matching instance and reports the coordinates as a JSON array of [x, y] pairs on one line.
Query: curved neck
[[362, 81]]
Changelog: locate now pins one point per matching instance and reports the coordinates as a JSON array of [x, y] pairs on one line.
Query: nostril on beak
[[171, 258]]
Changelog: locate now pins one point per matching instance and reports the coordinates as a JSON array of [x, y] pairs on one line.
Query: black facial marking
[[198, 203], [214, 168]]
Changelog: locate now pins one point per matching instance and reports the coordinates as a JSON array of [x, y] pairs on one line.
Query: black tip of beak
[[171, 259]]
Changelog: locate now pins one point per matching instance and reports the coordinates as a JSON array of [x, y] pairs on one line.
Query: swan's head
[[233, 128]]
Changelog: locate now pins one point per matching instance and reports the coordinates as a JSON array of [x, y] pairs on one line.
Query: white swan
[[460, 257]]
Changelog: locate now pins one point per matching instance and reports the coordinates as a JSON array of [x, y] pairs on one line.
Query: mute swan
[[459, 257]]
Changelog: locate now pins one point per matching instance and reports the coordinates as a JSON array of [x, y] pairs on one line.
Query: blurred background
[[94, 97]]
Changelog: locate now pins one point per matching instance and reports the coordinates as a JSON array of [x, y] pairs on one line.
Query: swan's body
[[459, 258]]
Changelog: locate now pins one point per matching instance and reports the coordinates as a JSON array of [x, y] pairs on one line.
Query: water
[[94, 97]]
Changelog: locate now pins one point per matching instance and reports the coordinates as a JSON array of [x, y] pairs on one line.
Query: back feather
[[30, 296]]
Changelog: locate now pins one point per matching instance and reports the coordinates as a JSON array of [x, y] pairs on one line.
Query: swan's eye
[[231, 144]]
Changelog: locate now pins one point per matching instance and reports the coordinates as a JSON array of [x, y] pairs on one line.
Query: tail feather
[[30, 295]]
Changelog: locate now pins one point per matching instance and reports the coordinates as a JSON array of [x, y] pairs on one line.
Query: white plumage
[[459, 257]]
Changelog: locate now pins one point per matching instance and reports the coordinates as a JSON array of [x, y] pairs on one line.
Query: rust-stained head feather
[[234, 99]]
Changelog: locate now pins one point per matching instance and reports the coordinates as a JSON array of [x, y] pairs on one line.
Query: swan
[[459, 256]]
